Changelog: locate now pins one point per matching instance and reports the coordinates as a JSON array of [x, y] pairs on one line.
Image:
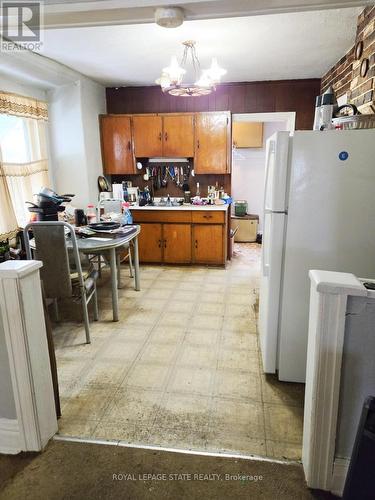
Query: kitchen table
[[109, 244]]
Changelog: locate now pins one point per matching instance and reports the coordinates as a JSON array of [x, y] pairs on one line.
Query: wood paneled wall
[[247, 97]]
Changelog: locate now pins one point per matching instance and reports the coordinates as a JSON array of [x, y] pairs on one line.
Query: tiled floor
[[182, 366]]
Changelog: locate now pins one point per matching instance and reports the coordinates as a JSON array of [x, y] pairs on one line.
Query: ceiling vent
[[169, 17]]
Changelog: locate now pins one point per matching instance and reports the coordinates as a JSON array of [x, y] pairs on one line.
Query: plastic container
[[91, 214], [354, 122], [240, 208]]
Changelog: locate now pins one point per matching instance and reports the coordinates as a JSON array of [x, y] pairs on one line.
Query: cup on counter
[[187, 197]]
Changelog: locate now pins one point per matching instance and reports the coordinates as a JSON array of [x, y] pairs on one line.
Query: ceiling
[[271, 47], [69, 13]]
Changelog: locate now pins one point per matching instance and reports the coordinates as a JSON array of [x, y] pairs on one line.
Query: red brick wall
[[345, 76]]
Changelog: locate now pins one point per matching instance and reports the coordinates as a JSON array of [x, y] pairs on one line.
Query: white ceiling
[[270, 47], [69, 13]]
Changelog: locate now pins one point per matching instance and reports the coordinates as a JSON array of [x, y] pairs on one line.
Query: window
[[23, 167]]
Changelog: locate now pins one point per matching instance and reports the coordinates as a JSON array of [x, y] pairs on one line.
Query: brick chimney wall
[[345, 76]]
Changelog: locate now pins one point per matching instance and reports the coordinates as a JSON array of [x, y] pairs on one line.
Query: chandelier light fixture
[[171, 80]]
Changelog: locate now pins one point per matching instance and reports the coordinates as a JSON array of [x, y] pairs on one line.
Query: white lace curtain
[[23, 159]]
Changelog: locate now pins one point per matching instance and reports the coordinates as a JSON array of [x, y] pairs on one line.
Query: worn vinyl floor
[[181, 368]]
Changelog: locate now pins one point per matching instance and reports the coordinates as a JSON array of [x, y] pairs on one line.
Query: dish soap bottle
[[127, 217]]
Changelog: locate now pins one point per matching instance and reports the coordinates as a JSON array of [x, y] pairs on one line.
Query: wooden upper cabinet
[[178, 135], [117, 145], [247, 134], [148, 136], [212, 135]]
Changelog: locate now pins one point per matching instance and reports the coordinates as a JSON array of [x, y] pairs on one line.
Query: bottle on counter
[[187, 197], [127, 217], [198, 191], [91, 214], [125, 194]]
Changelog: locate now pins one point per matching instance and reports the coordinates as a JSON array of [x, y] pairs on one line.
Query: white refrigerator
[[319, 213]]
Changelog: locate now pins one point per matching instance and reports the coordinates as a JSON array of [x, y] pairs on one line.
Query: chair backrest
[[51, 249]]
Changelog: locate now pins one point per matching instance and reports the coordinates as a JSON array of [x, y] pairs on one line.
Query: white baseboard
[[9, 436], [340, 470]]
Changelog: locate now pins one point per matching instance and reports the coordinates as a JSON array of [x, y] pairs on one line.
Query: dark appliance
[[360, 480], [47, 204]]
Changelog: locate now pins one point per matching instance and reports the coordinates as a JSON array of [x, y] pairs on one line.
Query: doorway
[[248, 163]]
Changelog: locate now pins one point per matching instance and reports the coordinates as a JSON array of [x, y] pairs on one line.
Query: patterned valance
[[23, 169], [27, 107]]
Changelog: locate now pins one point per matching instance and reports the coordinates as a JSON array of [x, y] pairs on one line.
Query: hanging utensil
[[159, 178], [164, 181], [154, 178], [177, 178]]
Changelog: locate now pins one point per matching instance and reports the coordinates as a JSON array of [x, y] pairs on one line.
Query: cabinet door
[[150, 243], [117, 146], [212, 152], [147, 133], [178, 135], [247, 134], [208, 244], [177, 243]]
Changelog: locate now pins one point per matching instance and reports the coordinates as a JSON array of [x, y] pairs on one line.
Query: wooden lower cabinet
[[182, 237], [204, 251], [177, 243], [150, 243]]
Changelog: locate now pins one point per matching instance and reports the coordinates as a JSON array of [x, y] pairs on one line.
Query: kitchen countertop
[[213, 208]]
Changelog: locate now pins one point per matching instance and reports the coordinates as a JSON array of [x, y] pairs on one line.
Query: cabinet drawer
[[161, 216], [208, 217]]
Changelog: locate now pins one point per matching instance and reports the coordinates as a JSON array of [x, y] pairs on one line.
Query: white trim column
[[328, 301], [21, 308]]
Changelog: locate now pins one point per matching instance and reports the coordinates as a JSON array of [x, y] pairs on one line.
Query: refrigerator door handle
[[265, 267], [269, 211], [270, 151]]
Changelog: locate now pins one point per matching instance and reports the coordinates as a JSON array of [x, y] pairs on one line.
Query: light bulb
[[174, 71], [205, 80], [164, 81], [215, 72]]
